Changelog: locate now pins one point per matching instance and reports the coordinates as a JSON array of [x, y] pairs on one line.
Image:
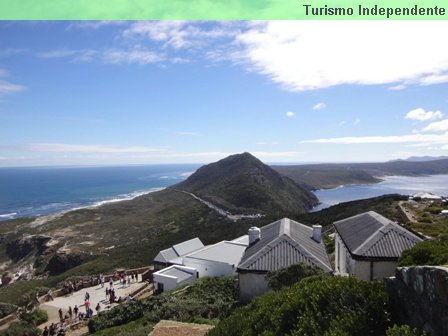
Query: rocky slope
[[242, 182]]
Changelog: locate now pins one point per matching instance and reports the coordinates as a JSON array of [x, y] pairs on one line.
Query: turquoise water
[[404, 185], [41, 191]]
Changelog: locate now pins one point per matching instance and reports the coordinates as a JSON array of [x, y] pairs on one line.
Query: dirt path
[[222, 212]]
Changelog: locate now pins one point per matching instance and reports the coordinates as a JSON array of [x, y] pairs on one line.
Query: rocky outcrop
[[23, 246], [419, 297], [63, 261]]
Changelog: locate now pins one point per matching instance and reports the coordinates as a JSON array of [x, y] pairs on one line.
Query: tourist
[[75, 310], [53, 329], [87, 296], [107, 293], [36, 299], [129, 280], [50, 295], [87, 305], [98, 308], [45, 332], [70, 312], [61, 317]]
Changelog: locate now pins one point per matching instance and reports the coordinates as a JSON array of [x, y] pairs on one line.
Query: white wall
[[252, 285], [345, 264], [209, 268], [170, 282]]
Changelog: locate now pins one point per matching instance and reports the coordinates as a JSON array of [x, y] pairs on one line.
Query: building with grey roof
[[278, 245], [368, 245], [174, 254], [172, 277], [220, 259]]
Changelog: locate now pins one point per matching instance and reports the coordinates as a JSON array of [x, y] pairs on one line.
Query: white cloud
[[76, 148], [343, 122], [438, 126], [356, 121], [319, 106], [409, 138], [77, 54], [95, 24], [137, 55], [7, 87], [422, 115], [290, 114], [307, 55], [181, 34]]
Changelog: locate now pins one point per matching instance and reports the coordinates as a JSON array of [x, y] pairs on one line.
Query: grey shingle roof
[[282, 244], [370, 235]]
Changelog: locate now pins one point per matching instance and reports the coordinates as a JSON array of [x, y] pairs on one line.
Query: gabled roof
[[178, 250], [188, 246], [370, 235], [165, 256], [282, 244]]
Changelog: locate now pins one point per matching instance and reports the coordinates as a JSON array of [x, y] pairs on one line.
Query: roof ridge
[[301, 247]]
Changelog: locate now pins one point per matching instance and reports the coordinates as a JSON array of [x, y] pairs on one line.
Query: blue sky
[[114, 93]]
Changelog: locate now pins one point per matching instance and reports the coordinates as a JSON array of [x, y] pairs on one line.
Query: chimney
[[317, 233], [254, 235]]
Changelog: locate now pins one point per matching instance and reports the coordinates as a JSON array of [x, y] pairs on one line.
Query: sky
[[148, 92]]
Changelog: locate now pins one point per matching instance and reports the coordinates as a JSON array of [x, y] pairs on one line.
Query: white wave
[[8, 215], [123, 197], [186, 174]]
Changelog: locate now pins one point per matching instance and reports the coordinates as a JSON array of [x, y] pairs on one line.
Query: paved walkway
[[97, 295]]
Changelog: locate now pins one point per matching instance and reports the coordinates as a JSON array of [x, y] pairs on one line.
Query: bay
[[404, 185]]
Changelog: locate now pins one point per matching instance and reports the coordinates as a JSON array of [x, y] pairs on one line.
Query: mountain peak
[[243, 182]]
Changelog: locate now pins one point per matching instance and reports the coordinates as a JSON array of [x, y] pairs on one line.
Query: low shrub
[[288, 276], [35, 317], [430, 252]]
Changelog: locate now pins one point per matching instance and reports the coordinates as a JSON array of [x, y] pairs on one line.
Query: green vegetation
[[27, 324], [35, 317], [430, 252], [6, 309], [207, 299], [288, 276], [242, 183], [427, 218], [403, 330], [320, 305], [21, 328]]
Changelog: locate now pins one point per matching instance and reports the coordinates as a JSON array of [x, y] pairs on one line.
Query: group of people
[[55, 329], [75, 315]]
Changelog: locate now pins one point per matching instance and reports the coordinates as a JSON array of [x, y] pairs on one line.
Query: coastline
[[41, 219]]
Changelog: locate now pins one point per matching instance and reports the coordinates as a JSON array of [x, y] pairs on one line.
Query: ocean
[[404, 185], [35, 191]]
